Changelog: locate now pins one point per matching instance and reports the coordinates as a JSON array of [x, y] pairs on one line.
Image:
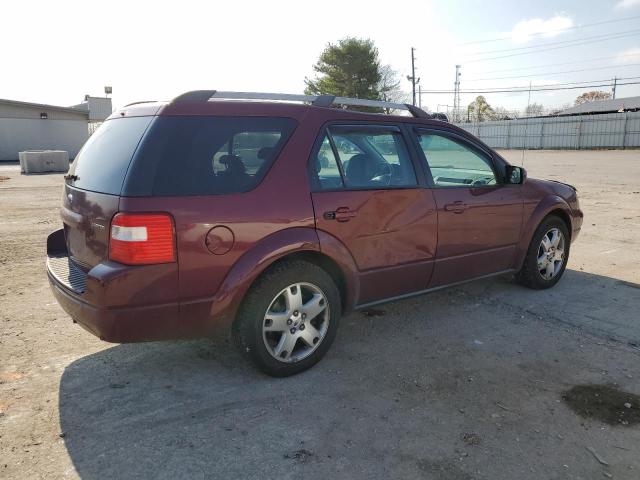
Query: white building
[[34, 126]]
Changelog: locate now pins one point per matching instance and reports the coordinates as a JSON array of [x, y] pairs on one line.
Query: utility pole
[[420, 96], [412, 78], [456, 94], [613, 90]]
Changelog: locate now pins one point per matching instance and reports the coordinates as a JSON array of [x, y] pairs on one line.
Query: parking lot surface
[[465, 383]]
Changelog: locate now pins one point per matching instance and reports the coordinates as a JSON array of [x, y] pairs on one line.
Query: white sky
[[57, 51]]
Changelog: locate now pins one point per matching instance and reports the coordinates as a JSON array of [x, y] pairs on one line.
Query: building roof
[[43, 106], [604, 106]]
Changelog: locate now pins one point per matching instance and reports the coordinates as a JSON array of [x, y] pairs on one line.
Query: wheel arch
[[323, 261], [290, 244], [563, 215], [552, 205]]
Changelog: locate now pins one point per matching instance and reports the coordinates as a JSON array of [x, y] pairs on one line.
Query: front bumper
[[576, 224]]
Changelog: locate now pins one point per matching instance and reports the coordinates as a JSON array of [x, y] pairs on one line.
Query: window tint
[[206, 155], [327, 168], [102, 163], [370, 158], [453, 164], [346, 148]]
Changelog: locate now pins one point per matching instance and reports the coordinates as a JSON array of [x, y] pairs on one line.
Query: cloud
[[622, 4], [631, 55], [524, 30]]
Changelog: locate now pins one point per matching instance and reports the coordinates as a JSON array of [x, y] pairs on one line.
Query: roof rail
[[316, 100], [138, 103]]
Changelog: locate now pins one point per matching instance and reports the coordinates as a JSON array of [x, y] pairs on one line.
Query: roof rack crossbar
[[316, 100]]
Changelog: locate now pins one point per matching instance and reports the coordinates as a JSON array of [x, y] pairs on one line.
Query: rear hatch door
[[93, 186]]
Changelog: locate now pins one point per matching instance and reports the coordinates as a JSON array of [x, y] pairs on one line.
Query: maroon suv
[[275, 218]]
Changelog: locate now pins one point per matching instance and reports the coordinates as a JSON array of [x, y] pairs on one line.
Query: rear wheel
[[289, 318], [547, 256]]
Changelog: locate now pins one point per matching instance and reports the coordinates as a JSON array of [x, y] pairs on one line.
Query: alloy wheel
[[296, 322], [551, 254]]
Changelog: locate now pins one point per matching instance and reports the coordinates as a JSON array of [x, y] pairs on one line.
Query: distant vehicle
[[184, 218]]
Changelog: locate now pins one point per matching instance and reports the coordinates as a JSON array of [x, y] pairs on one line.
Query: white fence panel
[[612, 130]]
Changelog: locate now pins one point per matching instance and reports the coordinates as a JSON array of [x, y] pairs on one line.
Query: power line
[[553, 48], [525, 90], [488, 89], [562, 30], [636, 54], [520, 87], [530, 47], [562, 44], [553, 73]]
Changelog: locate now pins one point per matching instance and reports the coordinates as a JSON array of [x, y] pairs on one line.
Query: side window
[[326, 167], [373, 158], [346, 148], [253, 148], [203, 155], [453, 164]]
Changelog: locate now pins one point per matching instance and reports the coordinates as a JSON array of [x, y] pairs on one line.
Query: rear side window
[[101, 164], [363, 158], [206, 155]]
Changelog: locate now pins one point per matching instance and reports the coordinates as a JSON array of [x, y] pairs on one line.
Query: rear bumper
[[119, 325], [117, 303]]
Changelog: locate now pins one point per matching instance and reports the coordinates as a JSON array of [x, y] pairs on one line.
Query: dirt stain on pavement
[[605, 403]]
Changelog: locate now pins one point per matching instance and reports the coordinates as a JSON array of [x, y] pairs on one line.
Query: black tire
[[248, 326], [529, 275]]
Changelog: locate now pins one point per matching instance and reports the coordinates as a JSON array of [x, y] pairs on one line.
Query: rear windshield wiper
[[71, 177]]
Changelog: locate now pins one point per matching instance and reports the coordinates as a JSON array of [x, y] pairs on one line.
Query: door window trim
[[325, 131], [455, 137]]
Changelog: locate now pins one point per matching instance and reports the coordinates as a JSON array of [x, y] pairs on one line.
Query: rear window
[[101, 164], [205, 155]]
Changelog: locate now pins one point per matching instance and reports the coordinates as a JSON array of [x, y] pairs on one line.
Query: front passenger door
[[479, 216]]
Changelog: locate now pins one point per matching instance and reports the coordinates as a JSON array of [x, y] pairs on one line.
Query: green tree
[[350, 68], [479, 110]]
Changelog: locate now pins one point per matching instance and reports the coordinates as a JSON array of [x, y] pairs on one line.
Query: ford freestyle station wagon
[[271, 216]]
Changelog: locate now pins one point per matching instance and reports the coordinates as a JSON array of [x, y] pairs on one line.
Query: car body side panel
[[539, 201], [217, 312], [392, 236], [481, 239], [340, 254]]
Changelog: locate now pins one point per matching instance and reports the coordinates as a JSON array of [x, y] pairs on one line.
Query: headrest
[[232, 162], [265, 152]]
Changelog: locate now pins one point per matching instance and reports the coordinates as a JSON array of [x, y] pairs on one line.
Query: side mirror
[[515, 175]]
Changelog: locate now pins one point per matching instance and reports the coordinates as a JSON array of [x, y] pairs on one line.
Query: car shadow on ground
[[195, 409]]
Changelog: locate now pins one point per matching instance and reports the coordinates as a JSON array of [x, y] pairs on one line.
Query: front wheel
[[547, 256], [289, 318]]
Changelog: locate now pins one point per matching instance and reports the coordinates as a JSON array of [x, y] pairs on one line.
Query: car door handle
[[341, 214], [455, 207]]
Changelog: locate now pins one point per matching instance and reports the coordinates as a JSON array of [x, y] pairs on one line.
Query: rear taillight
[[142, 239]]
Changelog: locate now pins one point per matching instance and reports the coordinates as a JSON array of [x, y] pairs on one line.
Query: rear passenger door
[[479, 216], [367, 195]]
